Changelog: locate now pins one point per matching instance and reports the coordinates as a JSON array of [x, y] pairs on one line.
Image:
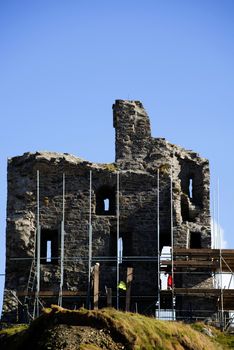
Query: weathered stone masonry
[[138, 157]]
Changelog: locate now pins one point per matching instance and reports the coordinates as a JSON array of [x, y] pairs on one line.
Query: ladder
[[229, 323], [30, 287]]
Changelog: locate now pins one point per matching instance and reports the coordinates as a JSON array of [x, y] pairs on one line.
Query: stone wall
[[138, 158]]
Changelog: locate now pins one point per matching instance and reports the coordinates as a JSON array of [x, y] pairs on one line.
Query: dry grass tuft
[[89, 347]]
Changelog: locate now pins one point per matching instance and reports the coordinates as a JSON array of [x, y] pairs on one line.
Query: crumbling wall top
[[132, 127]]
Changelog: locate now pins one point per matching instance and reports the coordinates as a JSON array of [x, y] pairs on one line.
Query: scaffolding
[[179, 261]]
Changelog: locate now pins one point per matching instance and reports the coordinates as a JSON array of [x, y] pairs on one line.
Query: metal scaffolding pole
[[158, 245], [90, 240], [60, 301], [214, 236], [172, 241], [38, 248], [117, 241], [220, 258]]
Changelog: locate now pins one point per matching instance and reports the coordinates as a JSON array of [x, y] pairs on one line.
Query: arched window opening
[[105, 201]]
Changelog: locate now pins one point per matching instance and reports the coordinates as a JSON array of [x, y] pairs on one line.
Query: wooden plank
[[206, 291], [196, 263], [204, 252], [109, 297], [205, 255], [128, 285], [96, 285]]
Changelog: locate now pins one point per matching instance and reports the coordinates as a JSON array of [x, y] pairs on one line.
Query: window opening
[[120, 250], [192, 181], [49, 246], [191, 188], [48, 251], [106, 204], [125, 247], [165, 238], [195, 240], [105, 201]]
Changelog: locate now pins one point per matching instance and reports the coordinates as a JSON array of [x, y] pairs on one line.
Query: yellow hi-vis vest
[[122, 285]]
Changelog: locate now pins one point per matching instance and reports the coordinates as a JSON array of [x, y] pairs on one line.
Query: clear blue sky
[[63, 63]]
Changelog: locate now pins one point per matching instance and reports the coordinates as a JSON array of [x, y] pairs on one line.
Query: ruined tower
[[162, 193]]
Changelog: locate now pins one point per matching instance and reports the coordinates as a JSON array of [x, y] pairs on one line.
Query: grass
[[14, 330], [13, 338], [225, 340], [89, 347], [135, 331]]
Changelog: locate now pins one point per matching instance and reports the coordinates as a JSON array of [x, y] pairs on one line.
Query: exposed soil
[[68, 337]]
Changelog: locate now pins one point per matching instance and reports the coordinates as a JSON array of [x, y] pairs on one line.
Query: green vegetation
[[13, 330], [134, 331], [13, 338], [226, 340]]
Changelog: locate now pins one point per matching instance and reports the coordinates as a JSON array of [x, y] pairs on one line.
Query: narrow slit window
[[105, 201], [106, 204], [120, 250], [190, 188], [49, 246], [48, 251]]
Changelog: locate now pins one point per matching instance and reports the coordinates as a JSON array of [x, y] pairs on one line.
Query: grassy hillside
[[60, 328]]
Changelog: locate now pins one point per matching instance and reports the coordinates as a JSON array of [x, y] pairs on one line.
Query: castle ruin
[[155, 194]]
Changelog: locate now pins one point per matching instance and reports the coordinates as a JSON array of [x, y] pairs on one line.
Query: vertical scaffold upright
[[38, 242], [220, 258], [117, 240], [60, 299], [158, 245], [172, 242], [90, 240]]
